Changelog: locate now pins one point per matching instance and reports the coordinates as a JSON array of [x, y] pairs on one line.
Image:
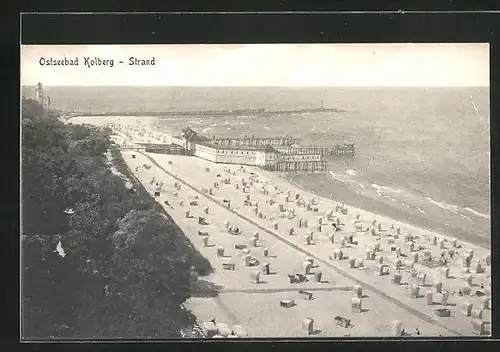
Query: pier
[[164, 148], [297, 166], [336, 150], [159, 148], [201, 113], [280, 154], [255, 142]]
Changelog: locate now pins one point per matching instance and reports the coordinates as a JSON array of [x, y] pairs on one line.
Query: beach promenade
[[261, 206]]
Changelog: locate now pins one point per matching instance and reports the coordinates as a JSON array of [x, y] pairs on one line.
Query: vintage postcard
[[250, 191]]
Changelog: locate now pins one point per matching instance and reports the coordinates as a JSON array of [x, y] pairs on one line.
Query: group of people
[[404, 333]]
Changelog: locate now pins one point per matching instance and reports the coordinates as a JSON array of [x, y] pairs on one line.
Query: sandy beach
[[264, 203]]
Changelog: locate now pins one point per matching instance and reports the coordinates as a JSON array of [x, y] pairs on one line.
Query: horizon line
[[243, 86]]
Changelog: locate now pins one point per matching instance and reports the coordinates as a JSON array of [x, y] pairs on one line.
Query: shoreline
[[406, 219], [381, 217], [416, 226]]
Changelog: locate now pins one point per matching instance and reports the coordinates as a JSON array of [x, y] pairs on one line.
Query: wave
[[474, 105], [344, 180], [351, 172], [452, 208], [170, 119], [391, 198], [442, 205], [477, 213], [466, 218], [206, 129], [387, 189]]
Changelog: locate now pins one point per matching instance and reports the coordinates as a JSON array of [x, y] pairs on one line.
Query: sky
[[286, 65]]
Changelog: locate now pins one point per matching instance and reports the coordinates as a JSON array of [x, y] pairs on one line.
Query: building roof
[[190, 135], [270, 149]]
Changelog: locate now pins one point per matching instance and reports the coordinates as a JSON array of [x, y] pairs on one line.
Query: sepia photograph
[[255, 191]]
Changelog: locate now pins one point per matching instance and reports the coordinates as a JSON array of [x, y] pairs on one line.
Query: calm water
[[423, 155]]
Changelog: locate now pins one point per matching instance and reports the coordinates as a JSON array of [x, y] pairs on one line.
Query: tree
[[30, 108], [125, 272], [145, 243]]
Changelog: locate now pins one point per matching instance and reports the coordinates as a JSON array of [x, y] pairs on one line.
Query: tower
[[39, 93], [41, 98]]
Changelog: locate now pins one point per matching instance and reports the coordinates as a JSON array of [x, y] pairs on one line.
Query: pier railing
[[336, 150], [297, 166]]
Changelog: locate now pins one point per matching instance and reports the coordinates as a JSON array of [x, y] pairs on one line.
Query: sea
[[422, 154]]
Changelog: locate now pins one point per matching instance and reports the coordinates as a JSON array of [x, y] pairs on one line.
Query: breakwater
[[207, 113]]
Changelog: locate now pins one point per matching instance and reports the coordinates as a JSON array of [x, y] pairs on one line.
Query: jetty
[[202, 113]]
